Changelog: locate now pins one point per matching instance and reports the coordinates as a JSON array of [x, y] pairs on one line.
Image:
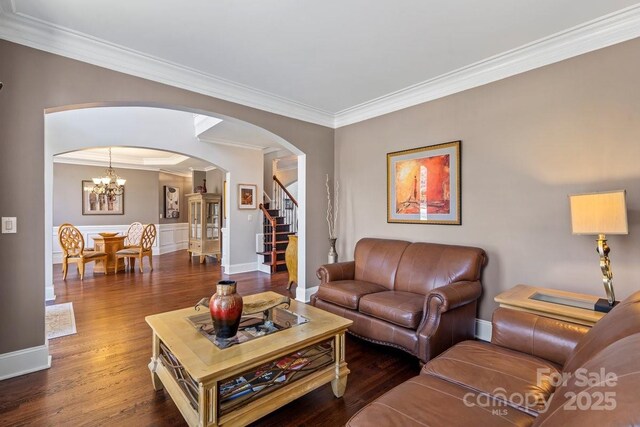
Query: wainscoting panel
[[172, 237]]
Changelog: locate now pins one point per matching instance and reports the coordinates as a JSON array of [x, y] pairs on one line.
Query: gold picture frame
[[423, 185]]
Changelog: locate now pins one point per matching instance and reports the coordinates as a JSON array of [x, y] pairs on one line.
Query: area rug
[[60, 320]]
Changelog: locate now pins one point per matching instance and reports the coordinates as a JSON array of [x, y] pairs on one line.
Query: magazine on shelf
[[292, 363]]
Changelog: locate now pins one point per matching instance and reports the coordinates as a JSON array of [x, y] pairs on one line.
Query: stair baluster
[[280, 220]]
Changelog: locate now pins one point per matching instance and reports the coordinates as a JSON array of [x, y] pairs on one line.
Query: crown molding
[[32, 32], [180, 174], [101, 164], [605, 31], [123, 159]]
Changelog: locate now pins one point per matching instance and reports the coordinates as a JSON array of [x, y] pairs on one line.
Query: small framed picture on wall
[[171, 202], [247, 196]]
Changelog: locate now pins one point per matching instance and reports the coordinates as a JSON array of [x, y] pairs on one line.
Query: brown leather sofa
[[419, 297], [535, 372]]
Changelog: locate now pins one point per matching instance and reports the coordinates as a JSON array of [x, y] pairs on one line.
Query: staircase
[[280, 219]]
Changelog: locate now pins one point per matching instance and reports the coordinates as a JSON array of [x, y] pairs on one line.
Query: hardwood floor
[[99, 376]]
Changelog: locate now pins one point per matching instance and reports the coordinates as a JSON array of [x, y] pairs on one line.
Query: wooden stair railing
[[280, 220], [286, 204]]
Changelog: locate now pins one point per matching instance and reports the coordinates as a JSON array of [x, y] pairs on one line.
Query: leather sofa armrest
[[338, 271], [452, 296], [539, 336], [449, 316]]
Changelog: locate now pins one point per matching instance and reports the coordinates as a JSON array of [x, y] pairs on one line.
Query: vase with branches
[[332, 215]]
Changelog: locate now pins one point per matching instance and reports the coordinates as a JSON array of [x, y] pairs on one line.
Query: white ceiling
[[135, 158], [333, 61]]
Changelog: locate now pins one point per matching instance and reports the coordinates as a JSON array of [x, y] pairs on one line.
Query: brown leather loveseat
[[419, 297], [535, 372]]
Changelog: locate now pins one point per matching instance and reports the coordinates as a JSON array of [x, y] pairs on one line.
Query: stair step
[[280, 220], [282, 228], [269, 252], [278, 262]]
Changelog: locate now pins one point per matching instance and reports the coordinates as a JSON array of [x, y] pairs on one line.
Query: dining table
[[109, 245]]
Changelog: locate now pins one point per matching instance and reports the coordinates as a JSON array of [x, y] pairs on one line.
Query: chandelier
[[110, 185]]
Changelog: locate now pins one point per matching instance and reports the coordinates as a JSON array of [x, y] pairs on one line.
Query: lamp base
[[602, 305]]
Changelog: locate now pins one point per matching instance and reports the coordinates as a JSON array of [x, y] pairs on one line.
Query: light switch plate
[[9, 224]]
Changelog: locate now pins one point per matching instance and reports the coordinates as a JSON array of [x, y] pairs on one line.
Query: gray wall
[[197, 177], [35, 81], [184, 184], [215, 180], [527, 142], [140, 196]]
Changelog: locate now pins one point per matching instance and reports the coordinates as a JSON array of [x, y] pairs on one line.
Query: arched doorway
[[238, 161]]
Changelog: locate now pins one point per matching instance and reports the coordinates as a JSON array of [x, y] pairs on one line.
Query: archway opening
[[173, 129]]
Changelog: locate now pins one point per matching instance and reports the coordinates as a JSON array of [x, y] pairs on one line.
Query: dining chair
[[73, 250], [139, 252], [134, 234]]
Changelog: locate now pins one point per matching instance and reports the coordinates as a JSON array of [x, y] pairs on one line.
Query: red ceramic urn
[[226, 309]]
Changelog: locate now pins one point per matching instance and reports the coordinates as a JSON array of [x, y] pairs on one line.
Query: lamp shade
[[599, 213]]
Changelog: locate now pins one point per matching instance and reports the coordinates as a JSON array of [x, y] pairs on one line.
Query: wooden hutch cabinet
[[205, 223]]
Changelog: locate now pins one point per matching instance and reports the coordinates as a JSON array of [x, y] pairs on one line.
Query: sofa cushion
[[401, 308], [618, 323], [375, 330], [426, 400], [377, 260], [425, 266], [347, 293], [524, 382]]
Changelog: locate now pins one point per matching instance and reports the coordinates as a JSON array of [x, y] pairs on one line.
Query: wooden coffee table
[[197, 374]]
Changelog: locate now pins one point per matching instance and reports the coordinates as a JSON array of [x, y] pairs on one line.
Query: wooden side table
[[109, 245], [562, 305]]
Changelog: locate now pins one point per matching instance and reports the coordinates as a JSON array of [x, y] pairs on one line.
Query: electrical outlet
[[250, 218], [9, 225]]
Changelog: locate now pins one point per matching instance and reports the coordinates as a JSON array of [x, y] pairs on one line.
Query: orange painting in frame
[[423, 185]]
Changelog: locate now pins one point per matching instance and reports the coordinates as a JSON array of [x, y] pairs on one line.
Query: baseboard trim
[[24, 361], [172, 247], [241, 268], [264, 268], [483, 330], [304, 295], [49, 293]]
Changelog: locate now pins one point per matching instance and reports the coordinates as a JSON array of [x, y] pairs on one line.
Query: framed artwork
[[171, 202], [288, 203], [93, 204], [423, 185], [247, 196]]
